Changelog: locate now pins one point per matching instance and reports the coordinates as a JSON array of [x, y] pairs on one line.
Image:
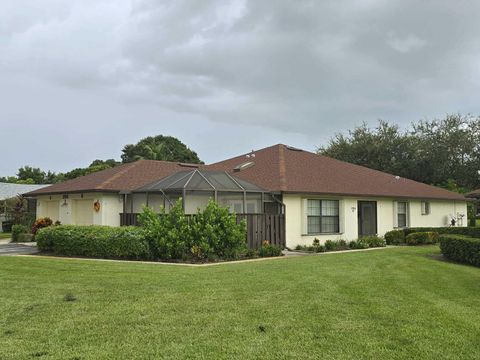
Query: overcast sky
[[81, 78]]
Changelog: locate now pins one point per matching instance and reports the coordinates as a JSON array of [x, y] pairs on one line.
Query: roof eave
[[460, 198], [34, 194]]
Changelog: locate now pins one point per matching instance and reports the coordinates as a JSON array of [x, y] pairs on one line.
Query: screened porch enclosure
[[195, 188], [262, 211]]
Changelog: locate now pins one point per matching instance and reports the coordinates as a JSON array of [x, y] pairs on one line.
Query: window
[[402, 214], [425, 208], [322, 216]]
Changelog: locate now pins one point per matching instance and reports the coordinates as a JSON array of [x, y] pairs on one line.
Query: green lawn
[[5, 235], [398, 303]]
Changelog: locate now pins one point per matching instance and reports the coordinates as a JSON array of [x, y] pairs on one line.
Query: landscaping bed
[[212, 235], [341, 245]]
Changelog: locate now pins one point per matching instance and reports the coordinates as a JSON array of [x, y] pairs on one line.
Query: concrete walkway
[[7, 248], [288, 255]]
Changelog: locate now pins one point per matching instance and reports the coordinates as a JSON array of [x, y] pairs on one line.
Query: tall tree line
[[443, 152], [160, 147]]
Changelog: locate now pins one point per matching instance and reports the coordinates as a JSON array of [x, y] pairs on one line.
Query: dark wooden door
[[367, 218]]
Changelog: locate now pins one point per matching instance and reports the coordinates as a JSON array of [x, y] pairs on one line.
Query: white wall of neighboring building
[[78, 208], [295, 213]]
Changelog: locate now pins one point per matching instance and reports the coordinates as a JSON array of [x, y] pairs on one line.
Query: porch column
[[244, 202]]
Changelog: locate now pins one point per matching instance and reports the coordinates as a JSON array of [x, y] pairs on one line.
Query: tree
[[27, 173], [442, 152], [160, 147], [383, 148]]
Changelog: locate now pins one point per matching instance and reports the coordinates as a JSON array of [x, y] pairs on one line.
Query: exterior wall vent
[[244, 166], [293, 148]]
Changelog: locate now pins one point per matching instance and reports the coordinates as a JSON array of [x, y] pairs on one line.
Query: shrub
[[269, 250], [421, 238], [358, 244], [169, 234], [342, 245], [25, 237], [330, 245], [18, 230], [466, 231], [216, 232], [209, 234], [460, 248], [372, 241], [395, 237], [40, 224], [94, 241]]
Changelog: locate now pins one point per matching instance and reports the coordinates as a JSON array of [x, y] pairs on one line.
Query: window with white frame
[[402, 214], [425, 207], [322, 216]]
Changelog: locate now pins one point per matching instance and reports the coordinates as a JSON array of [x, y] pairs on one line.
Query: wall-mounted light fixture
[[354, 208]]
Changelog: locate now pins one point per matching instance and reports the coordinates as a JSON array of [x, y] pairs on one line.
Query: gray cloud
[[90, 76]]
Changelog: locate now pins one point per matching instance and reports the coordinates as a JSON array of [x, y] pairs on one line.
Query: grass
[[5, 235], [397, 303]]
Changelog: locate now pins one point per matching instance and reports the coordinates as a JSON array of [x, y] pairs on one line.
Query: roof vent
[[293, 148], [188, 165], [397, 177], [244, 166]]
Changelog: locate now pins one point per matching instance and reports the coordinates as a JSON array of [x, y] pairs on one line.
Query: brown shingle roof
[[282, 168], [125, 177], [473, 194], [278, 168]]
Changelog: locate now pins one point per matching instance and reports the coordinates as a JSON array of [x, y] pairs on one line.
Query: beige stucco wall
[[295, 216], [78, 209]]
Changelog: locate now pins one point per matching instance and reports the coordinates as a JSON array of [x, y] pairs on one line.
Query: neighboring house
[[314, 196], [8, 191]]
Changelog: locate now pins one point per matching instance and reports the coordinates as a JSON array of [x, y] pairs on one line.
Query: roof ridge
[[282, 169], [118, 174]]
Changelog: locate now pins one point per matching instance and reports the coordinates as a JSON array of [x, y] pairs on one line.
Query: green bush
[[422, 238], [216, 233], [94, 241], [331, 245], [269, 250], [169, 235], [358, 245], [395, 237], [25, 238], [460, 248], [209, 234], [372, 241], [18, 230], [466, 230]]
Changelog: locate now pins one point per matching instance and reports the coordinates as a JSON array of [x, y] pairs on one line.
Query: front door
[[367, 218]]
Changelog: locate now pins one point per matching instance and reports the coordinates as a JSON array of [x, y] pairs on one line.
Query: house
[[9, 191], [300, 194]]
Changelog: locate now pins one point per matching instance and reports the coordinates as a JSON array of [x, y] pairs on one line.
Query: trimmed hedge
[[395, 237], [466, 230], [94, 241], [460, 248], [422, 238], [18, 230], [399, 237]]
